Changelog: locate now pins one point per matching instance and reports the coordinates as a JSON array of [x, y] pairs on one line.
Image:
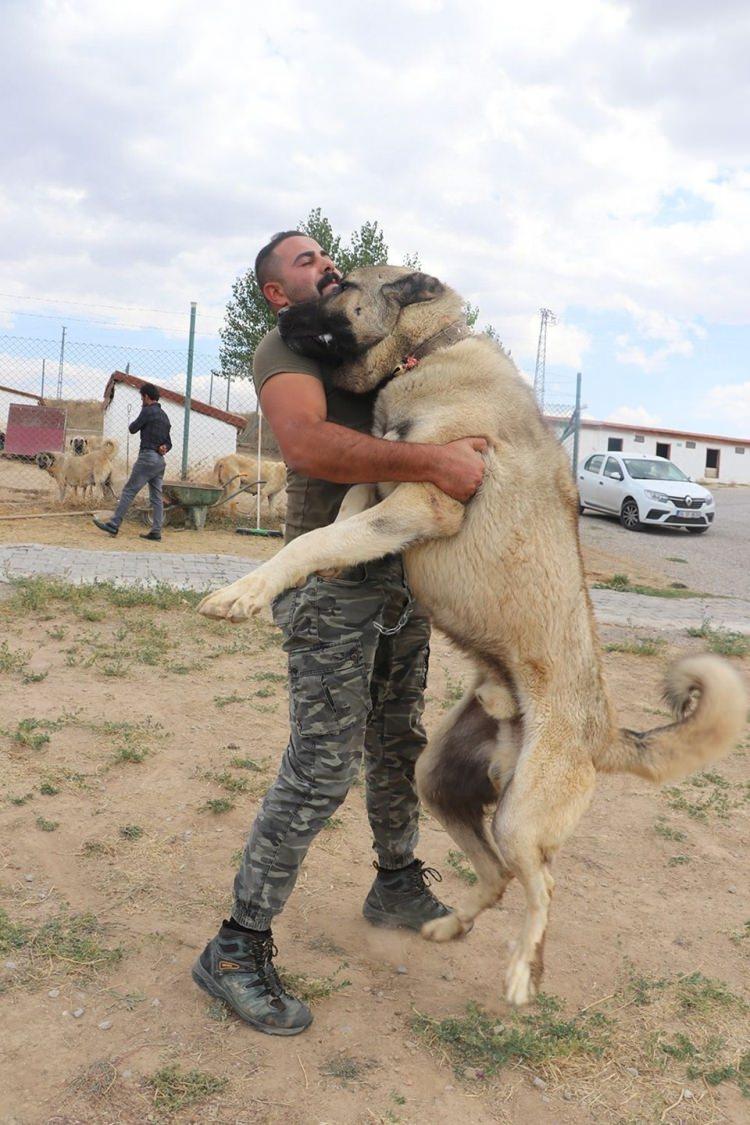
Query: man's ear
[[413, 288]]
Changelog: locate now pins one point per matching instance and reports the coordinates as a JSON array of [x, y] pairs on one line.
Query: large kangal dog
[[237, 469], [87, 471], [503, 577]]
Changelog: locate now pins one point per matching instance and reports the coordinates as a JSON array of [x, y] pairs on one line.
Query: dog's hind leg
[[549, 793], [456, 780]]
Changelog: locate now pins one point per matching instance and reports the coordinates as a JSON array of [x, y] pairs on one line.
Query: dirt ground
[[137, 739]]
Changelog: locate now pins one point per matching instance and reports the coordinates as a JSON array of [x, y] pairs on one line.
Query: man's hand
[[162, 450], [459, 467]]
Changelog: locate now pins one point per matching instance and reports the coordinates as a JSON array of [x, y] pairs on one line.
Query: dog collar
[[447, 336]]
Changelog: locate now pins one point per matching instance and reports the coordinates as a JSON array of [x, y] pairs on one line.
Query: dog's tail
[[709, 701], [109, 446]]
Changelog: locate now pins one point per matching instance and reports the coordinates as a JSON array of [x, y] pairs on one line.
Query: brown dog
[[503, 577]]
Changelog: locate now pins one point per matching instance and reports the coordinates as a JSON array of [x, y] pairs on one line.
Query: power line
[[93, 323], [89, 304]]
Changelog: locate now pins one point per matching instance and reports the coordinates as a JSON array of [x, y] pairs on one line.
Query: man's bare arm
[[295, 406]]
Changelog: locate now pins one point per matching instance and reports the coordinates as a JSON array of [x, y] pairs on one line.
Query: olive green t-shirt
[[311, 503]]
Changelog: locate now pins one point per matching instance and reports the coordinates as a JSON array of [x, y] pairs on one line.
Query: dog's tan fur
[[236, 469], [86, 471], [503, 577]]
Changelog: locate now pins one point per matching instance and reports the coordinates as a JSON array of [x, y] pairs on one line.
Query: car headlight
[[660, 496], [709, 500]]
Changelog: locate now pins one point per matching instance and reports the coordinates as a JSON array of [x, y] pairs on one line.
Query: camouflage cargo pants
[[358, 650]]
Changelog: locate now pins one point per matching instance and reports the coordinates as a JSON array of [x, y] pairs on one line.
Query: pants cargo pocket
[[329, 690]]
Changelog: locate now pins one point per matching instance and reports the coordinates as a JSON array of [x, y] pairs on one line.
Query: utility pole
[[547, 317], [60, 368]]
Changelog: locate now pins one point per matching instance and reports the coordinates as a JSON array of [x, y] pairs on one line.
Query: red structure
[[34, 429]]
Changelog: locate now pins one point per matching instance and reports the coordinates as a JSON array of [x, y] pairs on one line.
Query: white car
[[644, 490]]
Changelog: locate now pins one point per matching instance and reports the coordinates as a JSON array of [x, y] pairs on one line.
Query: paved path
[[205, 572]]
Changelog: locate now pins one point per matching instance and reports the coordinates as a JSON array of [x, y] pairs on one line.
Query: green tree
[[248, 317]]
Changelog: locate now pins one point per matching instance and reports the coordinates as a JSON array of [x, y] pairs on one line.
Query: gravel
[[715, 563]]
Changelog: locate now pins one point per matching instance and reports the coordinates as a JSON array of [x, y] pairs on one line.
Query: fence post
[[577, 430], [60, 368], [229, 384], [188, 392], [44, 364]]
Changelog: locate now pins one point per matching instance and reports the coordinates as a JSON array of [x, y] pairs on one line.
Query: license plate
[[684, 514]]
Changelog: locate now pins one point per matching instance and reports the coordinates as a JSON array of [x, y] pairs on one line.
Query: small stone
[[105, 1025], [498, 1029], [567, 1096], [156, 1002], [539, 1083], [449, 1089], [401, 969], [233, 746], [78, 1012], [11, 965], [53, 993], [126, 1073], [732, 890], [29, 878], [631, 1071], [687, 1095]]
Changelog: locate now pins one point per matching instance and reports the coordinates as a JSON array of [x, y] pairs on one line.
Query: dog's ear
[[413, 288]]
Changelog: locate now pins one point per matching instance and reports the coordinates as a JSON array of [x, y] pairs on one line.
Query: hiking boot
[[106, 525], [238, 967], [403, 897], [154, 535]]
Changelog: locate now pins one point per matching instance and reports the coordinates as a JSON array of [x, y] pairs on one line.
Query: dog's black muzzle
[[311, 330]]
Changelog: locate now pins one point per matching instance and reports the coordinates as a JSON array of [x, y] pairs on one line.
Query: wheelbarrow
[[194, 500]]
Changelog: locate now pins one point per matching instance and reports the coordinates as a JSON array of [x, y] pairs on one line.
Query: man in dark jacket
[[154, 427]]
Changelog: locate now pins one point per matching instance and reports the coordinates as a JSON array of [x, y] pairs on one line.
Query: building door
[[662, 449], [712, 462]]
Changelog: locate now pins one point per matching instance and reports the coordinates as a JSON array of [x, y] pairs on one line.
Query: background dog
[[236, 469], [503, 577], [86, 471]]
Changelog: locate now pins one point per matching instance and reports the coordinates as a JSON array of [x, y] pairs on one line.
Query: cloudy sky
[[589, 156]]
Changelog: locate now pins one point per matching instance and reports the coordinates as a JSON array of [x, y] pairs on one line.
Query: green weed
[[722, 641], [131, 831], [245, 764], [21, 800], [482, 1041], [45, 825], [175, 1089], [643, 646], [218, 805], [47, 789], [346, 1068], [227, 781], [311, 989], [622, 583], [669, 833], [457, 860]]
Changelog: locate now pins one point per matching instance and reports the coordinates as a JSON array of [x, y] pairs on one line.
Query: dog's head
[[370, 304], [79, 446], [45, 461]]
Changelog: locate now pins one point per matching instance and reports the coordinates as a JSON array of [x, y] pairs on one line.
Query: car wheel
[[629, 515], [697, 530]]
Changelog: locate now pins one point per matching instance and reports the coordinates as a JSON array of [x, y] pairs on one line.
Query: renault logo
[[688, 501]]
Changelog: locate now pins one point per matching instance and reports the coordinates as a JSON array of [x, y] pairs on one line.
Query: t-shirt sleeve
[[272, 357]]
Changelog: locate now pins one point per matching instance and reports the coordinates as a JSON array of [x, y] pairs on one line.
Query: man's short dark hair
[[263, 262], [150, 391]]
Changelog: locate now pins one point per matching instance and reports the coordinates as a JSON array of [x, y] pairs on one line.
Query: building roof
[[236, 420], [591, 424], [23, 394]]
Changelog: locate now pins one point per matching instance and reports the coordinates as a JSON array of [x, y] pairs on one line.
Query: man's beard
[[328, 277]]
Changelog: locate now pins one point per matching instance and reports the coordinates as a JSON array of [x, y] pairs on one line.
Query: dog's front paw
[[519, 986], [239, 601], [446, 928]]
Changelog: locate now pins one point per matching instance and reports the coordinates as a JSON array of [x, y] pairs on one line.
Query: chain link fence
[[562, 410], [72, 398]]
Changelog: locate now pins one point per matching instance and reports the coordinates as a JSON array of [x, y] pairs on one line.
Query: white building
[[705, 457], [11, 397], [213, 432]]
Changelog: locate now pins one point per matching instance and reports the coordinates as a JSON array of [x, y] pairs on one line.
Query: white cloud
[[730, 404], [634, 415]]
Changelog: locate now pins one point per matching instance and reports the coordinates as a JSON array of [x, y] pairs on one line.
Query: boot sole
[[388, 922], [209, 985]]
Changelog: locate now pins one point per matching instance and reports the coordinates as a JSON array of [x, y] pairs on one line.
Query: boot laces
[[263, 951], [422, 877]]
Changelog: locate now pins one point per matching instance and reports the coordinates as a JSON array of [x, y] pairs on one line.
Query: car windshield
[[653, 470]]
